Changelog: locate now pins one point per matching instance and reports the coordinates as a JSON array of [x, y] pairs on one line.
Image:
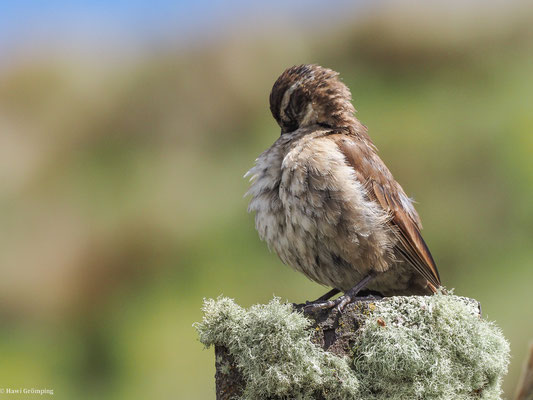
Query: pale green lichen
[[422, 348], [272, 348], [430, 348]]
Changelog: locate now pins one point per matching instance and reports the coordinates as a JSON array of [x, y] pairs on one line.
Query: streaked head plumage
[[310, 94]]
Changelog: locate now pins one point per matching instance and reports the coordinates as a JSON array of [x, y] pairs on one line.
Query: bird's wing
[[384, 190]]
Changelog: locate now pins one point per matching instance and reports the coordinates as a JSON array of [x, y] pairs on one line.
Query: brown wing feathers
[[383, 189]]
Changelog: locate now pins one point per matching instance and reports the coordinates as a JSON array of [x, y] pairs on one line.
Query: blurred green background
[[122, 156]]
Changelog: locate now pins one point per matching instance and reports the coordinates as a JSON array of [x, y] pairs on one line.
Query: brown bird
[[327, 204]]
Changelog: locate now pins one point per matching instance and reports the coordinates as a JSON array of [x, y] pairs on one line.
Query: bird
[[326, 203]]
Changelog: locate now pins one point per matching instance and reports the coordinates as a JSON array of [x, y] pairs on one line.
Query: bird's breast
[[314, 214]]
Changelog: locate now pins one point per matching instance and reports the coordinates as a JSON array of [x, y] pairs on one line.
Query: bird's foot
[[348, 297], [340, 302], [324, 305]]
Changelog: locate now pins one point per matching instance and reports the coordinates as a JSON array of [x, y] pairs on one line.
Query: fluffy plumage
[[324, 200]]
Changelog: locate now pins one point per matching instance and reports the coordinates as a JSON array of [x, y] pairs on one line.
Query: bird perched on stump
[[326, 203]]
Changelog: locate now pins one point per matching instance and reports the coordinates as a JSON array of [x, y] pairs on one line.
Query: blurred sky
[[28, 25], [31, 23]]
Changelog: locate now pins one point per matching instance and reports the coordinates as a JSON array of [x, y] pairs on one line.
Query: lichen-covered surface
[[272, 348], [434, 347], [398, 348]]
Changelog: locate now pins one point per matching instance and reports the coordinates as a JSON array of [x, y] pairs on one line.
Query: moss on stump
[[416, 347]]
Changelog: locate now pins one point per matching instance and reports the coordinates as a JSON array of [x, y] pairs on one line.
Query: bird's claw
[[339, 303]]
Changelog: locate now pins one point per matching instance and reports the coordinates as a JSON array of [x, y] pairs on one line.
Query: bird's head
[[306, 95]]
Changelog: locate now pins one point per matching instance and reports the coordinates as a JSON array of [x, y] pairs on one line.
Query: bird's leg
[[328, 295], [348, 296]]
